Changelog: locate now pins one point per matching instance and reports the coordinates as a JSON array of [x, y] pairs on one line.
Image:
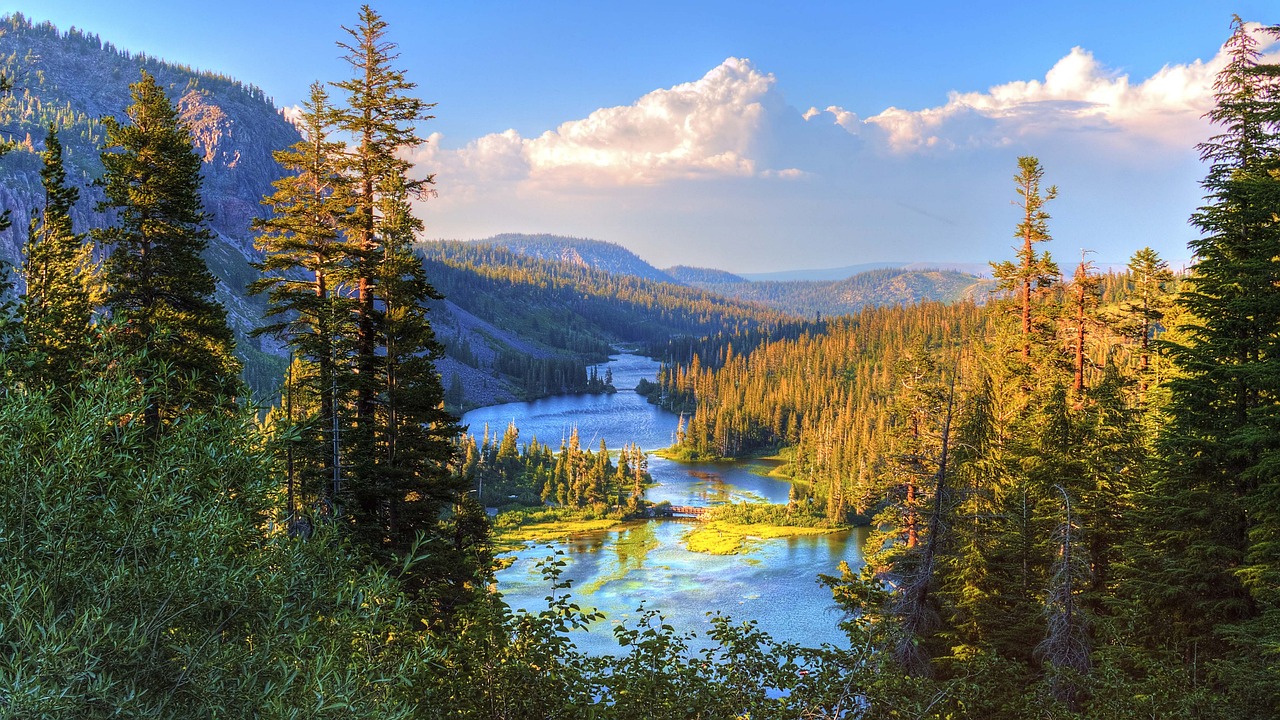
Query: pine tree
[[401, 443], [1083, 305], [400, 494], [1033, 271], [159, 290], [1232, 369], [57, 308], [380, 116], [306, 262], [1143, 313], [1224, 431]]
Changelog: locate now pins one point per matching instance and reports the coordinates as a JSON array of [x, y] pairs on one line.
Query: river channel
[[614, 571]]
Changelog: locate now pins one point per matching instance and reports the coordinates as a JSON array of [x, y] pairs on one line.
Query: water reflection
[[646, 561]]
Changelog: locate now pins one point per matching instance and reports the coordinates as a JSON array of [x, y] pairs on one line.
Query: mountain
[[597, 254], [525, 314], [686, 275], [819, 274], [73, 79], [518, 327], [871, 288]]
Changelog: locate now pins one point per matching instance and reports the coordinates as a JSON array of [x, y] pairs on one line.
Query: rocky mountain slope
[[74, 79]]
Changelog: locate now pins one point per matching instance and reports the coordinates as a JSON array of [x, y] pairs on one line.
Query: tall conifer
[[1225, 412], [400, 443], [159, 290], [380, 118], [1033, 270], [308, 267]]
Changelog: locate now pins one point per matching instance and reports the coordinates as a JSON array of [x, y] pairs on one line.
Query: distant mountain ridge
[[841, 273], [585, 252], [849, 290], [884, 286], [699, 275]]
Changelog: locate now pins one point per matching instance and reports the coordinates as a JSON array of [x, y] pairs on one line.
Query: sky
[[761, 136]]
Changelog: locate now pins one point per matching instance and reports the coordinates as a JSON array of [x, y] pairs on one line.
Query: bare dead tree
[[1065, 648]]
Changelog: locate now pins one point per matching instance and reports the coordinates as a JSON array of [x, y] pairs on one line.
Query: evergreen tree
[[401, 442], [159, 290], [1033, 271], [399, 494], [1212, 511], [57, 307], [306, 263], [380, 117], [1224, 408], [1083, 306], [1143, 313]]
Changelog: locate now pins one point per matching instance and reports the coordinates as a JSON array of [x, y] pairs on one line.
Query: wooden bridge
[[688, 510]]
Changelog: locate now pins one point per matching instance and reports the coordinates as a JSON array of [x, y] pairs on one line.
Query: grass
[[718, 537], [684, 455], [513, 528]]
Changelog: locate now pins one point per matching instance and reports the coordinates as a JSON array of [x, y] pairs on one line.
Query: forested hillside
[[701, 276], [830, 298], [536, 323], [596, 254], [1070, 488], [73, 79]]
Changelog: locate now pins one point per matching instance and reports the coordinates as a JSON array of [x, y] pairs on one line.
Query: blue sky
[[753, 136]]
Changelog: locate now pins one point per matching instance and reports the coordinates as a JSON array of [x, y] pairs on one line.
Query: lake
[[614, 571]]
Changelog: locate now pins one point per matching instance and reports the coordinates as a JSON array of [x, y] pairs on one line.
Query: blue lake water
[[614, 571]]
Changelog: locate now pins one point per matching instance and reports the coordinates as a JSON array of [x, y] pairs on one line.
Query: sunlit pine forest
[[1071, 481]]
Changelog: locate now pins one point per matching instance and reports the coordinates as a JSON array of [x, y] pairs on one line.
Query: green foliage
[[1033, 272], [1215, 511], [59, 273], [159, 289], [144, 576], [753, 513], [824, 391], [504, 472]]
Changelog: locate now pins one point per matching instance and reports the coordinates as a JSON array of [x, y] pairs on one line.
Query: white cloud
[[695, 129], [722, 172], [705, 128], [785, 174], [1077, 94], [293, 113]]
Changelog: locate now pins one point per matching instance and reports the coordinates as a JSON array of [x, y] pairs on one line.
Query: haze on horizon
[[726, 135]]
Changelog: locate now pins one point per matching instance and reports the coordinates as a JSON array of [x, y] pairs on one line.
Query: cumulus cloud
[[1078, 94], [721, 171], [706, 128], [700, 128]]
